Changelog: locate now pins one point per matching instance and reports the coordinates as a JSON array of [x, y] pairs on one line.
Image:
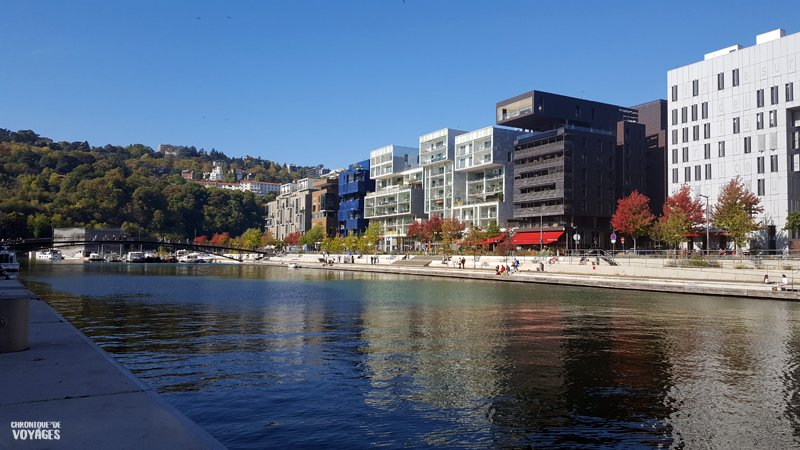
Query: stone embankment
[[632, 273]]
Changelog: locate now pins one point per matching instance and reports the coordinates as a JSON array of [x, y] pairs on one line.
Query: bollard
[[14, 318]]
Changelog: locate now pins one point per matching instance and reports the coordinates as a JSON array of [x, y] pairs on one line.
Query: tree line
[[46, 185]]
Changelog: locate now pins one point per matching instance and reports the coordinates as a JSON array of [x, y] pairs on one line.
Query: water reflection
[[269, 357]]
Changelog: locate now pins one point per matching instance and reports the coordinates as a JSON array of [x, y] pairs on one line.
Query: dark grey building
[[573, 160]]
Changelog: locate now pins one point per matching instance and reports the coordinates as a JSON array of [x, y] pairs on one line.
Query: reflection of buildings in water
[[735, 376], [443, 360]]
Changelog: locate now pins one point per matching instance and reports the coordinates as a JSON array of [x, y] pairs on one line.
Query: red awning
[[494, 240], [535, 237]]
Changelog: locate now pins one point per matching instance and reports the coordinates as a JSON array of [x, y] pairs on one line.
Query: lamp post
[[541, 233], [708, 243]]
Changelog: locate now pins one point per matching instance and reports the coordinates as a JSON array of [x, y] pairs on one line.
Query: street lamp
[[541, 232], [708, 243]]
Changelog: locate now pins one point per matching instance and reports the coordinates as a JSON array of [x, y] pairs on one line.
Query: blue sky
[[324, 82]]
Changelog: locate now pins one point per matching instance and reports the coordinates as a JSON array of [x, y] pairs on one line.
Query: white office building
[[735, 114]]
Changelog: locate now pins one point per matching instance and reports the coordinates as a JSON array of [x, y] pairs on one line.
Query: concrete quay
[[66, 379], [639, 275]]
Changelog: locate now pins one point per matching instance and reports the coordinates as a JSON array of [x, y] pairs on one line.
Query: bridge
[[135, 244]]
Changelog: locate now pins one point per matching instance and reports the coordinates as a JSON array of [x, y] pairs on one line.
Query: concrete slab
[[65, 377]]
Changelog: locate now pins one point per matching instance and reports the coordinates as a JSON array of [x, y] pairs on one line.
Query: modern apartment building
[[291, 210], [484, 158], [398, 197], [325, 205], [574, 161], [442, 183], [354, 184], [735, 114]]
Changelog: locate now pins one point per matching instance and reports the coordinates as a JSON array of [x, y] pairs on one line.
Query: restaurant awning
[[535, 237], [494, 240]]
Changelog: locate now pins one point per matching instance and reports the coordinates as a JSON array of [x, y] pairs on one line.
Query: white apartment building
[[260, 188], [398, 197], [485, 157], [735, 114], [442, 183]]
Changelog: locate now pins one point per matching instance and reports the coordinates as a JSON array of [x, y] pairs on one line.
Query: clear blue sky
[[325, 82]]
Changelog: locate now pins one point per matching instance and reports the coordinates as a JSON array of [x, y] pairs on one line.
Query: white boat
[[96, 257], [8, 260], [49, 254], [113, 257], [188, 257], [293, 265], [134, 257]]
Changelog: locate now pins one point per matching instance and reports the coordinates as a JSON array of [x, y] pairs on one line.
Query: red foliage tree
[[692, 208], [433, 229], [293, 238], [416, 232], [633, 215], [200, 240], [220, 239]]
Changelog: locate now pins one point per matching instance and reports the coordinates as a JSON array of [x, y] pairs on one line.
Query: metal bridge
[[135, 244]]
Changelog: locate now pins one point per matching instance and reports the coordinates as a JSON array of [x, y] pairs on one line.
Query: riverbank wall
[[64, 391]]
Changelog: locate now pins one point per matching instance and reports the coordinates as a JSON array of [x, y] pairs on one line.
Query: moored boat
[[135, 257], [96, 257], [50, 254], [8, 260]]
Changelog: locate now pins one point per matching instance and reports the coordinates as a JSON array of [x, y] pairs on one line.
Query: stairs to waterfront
[[416, 261], [606, 256]]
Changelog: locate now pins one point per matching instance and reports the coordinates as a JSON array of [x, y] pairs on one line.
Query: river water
[[269, 357]]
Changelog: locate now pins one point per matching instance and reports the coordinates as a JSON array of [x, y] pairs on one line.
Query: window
[[577, 112], [795, 138], [796, 163], [675, 136], [773, 163], [707, 151], [594, 114], [583, 175], [789, 92], [583, 159], [599, 176], [694, 113], [735, 125], [675, 93], [685, 154], [759, 98], [704, 110], [748, 144], [599, 192], [695, 88], [696, 133], [773, 119], [708, 171], [706, 131], [698, 172], [760, 121], [720, 81], [760, 164], [674, 156], [761, 187], [684, 114], [773, 95], [674, 116], [687, 174], [735, 76], [721, 148], [675, 175], [583, 190], [685, 134]]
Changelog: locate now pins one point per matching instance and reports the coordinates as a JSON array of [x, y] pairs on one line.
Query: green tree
[[452, 231], [251, 237], [372, 234], [314, 235], [492, 230], [735, 212]]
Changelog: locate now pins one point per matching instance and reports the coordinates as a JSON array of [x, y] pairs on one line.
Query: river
[[270, 357]]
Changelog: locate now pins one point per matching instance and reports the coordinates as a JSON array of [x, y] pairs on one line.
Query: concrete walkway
[[66, 378], [676, 280]]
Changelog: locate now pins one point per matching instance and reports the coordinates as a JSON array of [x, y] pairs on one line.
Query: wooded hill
[[46, 184]]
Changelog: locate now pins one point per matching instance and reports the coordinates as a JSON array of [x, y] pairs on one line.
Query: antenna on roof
[[581, 94]]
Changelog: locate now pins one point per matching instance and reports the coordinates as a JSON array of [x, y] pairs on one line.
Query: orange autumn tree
[[633, 216]]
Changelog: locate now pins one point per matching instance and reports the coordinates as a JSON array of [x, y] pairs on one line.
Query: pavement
[[655, 277], [64, 385]]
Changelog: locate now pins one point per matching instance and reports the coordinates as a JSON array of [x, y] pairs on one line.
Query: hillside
[[45, 184]]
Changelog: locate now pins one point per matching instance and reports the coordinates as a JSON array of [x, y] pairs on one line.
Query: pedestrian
[[516, 265], [463, 262]]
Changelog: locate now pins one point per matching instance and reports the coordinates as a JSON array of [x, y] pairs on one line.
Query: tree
[[220, 239], [633, 216], [692, 209], [492, 230], [473, 238], [267, 238], [293, 238], [672, 228], [373, 232], [251, 237], [312, 236], [452, 231], [416, 232], [735, 212], [432, 229]]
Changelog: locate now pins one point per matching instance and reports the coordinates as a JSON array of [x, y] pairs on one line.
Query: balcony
[[546, 211], [533, 181], [537, 196], [542, 162]]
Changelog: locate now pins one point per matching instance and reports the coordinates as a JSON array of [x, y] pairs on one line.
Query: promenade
[[66, 392], [634, 274]]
